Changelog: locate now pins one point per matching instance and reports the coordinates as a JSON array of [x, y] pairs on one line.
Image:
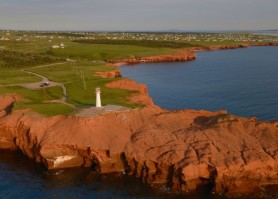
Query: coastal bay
[[241, 81]]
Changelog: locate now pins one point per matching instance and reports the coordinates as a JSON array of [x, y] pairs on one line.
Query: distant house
[[61, 45], [55, 46], [4, 39]]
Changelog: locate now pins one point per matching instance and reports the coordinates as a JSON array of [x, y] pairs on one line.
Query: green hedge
[[144, 43], [16, 59]]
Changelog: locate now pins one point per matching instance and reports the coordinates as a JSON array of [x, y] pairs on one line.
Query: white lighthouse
[[98, 101]]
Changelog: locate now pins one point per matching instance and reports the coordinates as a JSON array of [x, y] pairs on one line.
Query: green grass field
[[70, 75], [47, 109], [80, 97], [143, 43], [98, 52], [15, 76], [55, 92], [36, 100], [28, 95], [71, 71], [27, 55]]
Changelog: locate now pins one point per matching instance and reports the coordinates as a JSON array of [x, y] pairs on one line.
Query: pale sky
[[136, 15]]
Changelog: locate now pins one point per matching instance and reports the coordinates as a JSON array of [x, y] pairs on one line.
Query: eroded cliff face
[[184, 55], [191, 147], [181, 149], [109, 74], [141, 97]]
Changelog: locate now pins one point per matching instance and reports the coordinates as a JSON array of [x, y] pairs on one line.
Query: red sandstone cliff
[[185, 55], [109, 74], [221, 47], [142, 97], [181, 148]]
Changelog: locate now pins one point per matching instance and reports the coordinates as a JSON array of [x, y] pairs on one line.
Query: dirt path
[[42, 66], [80, 112], [37, 85]]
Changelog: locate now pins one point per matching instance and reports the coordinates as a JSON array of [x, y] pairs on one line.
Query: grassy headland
[[79, 55]]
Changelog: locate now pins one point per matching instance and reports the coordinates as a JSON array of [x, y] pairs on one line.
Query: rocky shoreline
[[181, 149], [183, 55]]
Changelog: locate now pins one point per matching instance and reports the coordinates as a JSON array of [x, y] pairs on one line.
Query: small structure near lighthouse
[[98, 101]]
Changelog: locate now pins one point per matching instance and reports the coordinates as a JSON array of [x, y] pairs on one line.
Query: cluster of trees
[[144, 43], [15, 59]]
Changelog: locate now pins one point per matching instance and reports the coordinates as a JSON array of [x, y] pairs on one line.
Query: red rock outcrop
[[219, 47], [185, 55], [264, 44], [142, 97], [181, 149], [109, 74]]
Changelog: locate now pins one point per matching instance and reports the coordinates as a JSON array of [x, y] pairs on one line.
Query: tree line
[[143, 43], [15, 59]]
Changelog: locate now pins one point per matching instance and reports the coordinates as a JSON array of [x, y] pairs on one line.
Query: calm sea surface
[[22, 178], [242, 81]]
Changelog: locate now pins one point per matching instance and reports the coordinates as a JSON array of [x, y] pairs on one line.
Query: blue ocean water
[[242, 81], [22, 178]]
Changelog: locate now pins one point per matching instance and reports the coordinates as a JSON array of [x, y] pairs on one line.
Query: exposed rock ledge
[[181, 149], [184, 55], [109, 74]]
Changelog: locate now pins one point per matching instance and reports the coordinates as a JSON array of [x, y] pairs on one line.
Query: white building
[[61, 45], [98, 101]]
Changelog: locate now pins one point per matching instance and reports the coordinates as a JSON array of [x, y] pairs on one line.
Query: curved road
[[81, 112], [36, 85]]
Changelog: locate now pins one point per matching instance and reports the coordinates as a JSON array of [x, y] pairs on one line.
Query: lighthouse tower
[[98, 102]]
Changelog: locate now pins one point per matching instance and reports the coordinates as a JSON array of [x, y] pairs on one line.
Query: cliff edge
[[184, 55], [180, 149]]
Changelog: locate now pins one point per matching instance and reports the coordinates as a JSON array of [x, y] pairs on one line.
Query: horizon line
[[147, 31]]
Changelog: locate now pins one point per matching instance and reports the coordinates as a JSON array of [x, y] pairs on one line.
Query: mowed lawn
[[38, 100], [80, 93], [80, 81], [15, 76]]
